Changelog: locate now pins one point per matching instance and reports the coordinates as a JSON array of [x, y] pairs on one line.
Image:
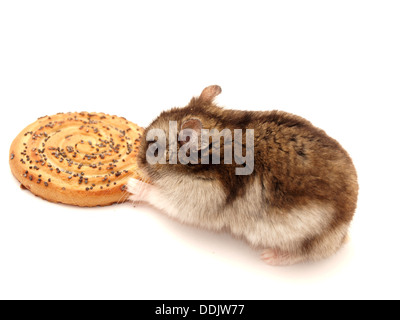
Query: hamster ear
[[209, 93], [191, 131]]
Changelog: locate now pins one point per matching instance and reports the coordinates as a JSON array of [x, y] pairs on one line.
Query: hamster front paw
[[139, 190]]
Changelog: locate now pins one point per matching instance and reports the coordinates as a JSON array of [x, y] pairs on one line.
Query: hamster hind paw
[[275, 257]]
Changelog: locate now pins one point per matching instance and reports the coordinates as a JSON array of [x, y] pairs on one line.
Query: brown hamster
[[297, 203]]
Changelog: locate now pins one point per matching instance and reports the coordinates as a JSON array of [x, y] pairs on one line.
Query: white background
[[336, 63]]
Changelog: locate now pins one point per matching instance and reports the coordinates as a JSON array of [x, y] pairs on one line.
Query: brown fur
[[297, 164]]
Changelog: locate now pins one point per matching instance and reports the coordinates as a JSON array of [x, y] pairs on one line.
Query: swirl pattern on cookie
[[82, 159]]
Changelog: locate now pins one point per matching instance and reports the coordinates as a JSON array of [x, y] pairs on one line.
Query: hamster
[[296, 203]]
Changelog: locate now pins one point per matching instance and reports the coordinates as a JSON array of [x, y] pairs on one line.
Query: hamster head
[[176, 134]]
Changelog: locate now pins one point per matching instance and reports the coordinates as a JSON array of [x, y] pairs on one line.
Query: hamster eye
[[156, 148], [156, 151]]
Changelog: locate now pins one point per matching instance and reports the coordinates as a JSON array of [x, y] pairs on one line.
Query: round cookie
[[82, 159]]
